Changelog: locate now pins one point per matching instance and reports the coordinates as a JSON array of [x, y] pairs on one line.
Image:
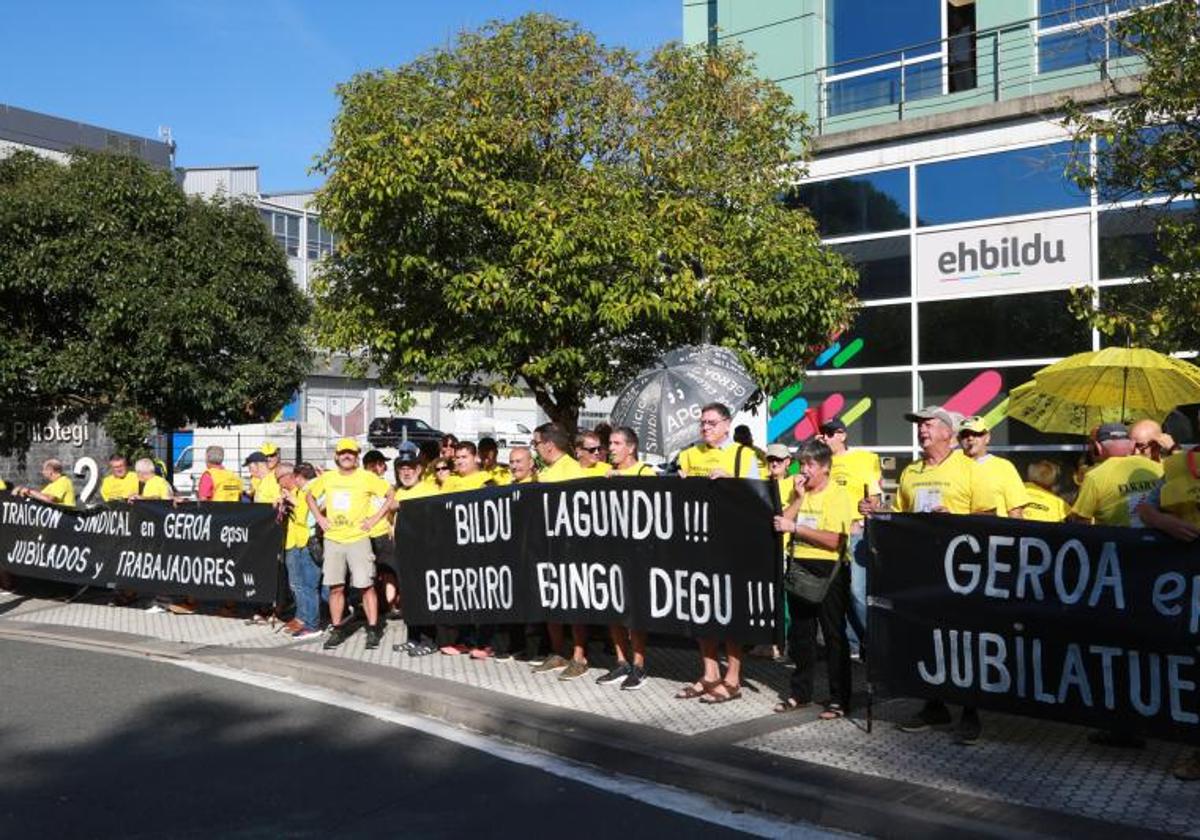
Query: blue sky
[[251, 81]]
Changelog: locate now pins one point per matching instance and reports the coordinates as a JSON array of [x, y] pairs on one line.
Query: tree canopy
[[1148, 145], [128, 301], [530, 207]]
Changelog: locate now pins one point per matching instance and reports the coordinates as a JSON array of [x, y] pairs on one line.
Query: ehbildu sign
[[1043, 253], [685, 557], [1084, 624], [214, 550]]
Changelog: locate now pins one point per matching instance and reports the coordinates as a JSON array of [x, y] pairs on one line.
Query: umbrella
[[1051, 413], [1124, 378], [662, 403]]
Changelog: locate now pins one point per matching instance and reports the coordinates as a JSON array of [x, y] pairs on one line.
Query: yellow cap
[[975, 424], [346, 445], [269, 448]]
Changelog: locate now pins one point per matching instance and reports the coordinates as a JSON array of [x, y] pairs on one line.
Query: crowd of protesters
[[339, 523]]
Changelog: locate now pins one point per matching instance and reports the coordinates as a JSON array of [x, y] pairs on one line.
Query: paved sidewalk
[[1040, 767]]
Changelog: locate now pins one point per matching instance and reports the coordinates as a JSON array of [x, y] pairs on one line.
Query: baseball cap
[[832, 425], [346, 444], [269, 449], [974, 424], [932, 412], [407, 454], [778, 450], [1112, 431], [255, 458]]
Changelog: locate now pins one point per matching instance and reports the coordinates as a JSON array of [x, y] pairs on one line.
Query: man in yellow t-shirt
[[1113, 489], [551, 443], [717, 456], [629, 645], [382, 544], [520, 465], [819, 519], [266, 485], [1044, 504], [150, 485], [58, 490], [347, 519], [857, 471], [489, 455], [1011, 496], [588, 451], [304, 575], [467, 475], [942, 480], [120, 483]]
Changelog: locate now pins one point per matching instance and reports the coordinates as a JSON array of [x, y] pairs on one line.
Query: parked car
[[389, 431]]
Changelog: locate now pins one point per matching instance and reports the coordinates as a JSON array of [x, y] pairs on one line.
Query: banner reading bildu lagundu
[[682, 557], [1078, 623]]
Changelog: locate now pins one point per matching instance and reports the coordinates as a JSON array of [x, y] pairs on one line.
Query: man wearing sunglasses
[[349, 514], [589, 451]]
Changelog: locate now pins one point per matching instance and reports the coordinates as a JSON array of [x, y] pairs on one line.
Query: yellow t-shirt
[[1180, 490], [156, 487], [462, 483], [3, 486], [347, 501], [596, 470], [113, 489], [227, 487], [700, 460], [564, 469], [268, 490], [61, 491], [857, 471], [500, 475], [1113, 489], [1043, 505], [787, 492], [420, 490], [297, 522], [529, 479], [956, 484], [637, 469], [1004, 478], [830, 509], [383, 528]]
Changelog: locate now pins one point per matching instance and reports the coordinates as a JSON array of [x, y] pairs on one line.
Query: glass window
[[884, 269], [319, 241], [1001, 184], [1004, 327], [980, 392], [1070, 36], [894, 25], [920, 80], [1128, 243], [870, 203], [875, 402], [881, 336]]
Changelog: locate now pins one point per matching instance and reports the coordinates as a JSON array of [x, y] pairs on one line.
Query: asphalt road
[[98, 745]]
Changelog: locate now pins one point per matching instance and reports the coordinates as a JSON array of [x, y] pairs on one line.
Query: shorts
[[355, 556]]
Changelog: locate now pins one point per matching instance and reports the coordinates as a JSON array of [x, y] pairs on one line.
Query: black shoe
[[336, 636], [933, 713], [636, 679], [374, 637], [1120, 740], [616, 675], [969, 728]]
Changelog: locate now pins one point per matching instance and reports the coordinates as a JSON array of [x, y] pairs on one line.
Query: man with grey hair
[[58, 490], [218, 484], [151, 485]]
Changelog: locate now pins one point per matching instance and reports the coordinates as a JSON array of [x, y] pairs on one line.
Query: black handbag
[[802, 580]]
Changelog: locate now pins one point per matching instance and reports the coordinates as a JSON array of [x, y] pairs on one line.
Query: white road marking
[[658, 796]]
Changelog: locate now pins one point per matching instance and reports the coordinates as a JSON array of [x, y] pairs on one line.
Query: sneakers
[[550, 663], [336, 636], [969, 728], [374, 637], [636, 679], [305, 633], [934, 713], [156, 607], [574, 670], [616, 675]]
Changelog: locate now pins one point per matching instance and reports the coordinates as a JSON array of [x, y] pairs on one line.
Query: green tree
[[1148, 144], [128, 301], [529, 207]]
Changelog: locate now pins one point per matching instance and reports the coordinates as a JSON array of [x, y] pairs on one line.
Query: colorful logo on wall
[[793, 419]]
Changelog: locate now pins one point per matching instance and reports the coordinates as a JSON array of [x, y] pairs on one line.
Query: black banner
[[210, 551], [685, 557], [1084, 624]]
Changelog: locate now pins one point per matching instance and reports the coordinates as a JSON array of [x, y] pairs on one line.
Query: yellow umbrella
[[1122, 377], [1051, 413]]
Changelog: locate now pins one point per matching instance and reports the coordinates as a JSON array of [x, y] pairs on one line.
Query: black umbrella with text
[[662, 403]]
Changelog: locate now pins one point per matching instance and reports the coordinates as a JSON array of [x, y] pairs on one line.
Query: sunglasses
[[593, 449], [712, 422], [347, 452], [775, 460], [441, 469]]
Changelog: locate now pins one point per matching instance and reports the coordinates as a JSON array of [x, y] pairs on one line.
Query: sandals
[[690, 692], [712, 698], [790, 704], [833, 711]]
